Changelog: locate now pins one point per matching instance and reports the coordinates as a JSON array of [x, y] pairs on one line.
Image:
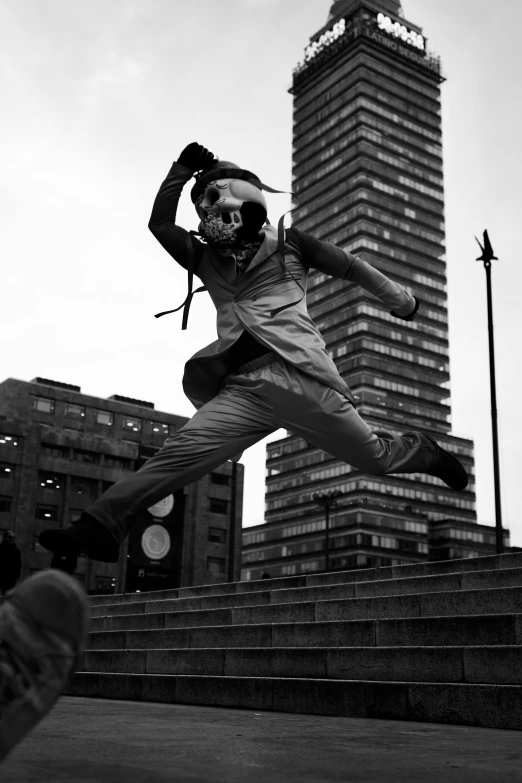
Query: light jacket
[[270, 282]]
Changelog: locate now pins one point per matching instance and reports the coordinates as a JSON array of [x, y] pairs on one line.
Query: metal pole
[[325, 500], [232, 526], [327, 542], [496, 465], [487, 257]]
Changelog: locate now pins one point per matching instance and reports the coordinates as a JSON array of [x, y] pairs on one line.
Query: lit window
[[131, 423], [48, 513], [9, 440], [103, 417], [50, 481]]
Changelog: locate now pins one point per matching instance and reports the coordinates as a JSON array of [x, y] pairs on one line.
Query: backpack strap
[[192, 268]]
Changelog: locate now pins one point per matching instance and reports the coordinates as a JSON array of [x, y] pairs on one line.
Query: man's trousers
[[255, 402]]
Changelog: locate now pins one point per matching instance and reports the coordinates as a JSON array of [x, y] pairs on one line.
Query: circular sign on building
[[155, 542], [163, 507]]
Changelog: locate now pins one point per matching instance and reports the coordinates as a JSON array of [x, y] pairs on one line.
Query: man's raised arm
[[333, 261], [162, 221]]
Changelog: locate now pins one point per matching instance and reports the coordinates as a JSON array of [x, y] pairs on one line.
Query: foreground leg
[[44, 626], [227, 425]]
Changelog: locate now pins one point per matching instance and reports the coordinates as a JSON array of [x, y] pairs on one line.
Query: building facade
[[61, 449], [368, 177]]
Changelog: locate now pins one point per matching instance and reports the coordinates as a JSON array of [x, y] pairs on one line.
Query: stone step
[[505, 600], [467, 704], [479, 664], [466, 630], [474, 580], [488, 563], [434, 642]]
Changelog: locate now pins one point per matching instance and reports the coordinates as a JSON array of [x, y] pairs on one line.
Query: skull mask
[[231, 210]]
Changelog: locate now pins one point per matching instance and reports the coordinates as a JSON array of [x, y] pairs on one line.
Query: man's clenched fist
[[197, 158]]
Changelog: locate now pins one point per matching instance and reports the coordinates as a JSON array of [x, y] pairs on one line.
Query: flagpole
[[487, 256]]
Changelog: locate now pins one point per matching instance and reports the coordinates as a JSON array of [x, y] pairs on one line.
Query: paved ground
[[99, 740]]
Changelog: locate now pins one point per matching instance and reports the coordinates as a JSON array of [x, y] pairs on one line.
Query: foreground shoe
[[44, 627], [448, 468], [86, 537]]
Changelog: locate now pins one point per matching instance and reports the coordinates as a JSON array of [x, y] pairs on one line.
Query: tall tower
[[368, 177]]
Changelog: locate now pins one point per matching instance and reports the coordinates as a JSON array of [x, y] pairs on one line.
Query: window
[[6, 471], [55, 452], [132, 424], [216, 565], [49, 513], [75, 411], [83, 486], [88, 457], [217, 535], [253, 538], [43, 404], [51, 481], [218, 506], [9, 440], [218, 478], [117, 462], [105, 584], [161, 429], [5, 503], [104, 417]]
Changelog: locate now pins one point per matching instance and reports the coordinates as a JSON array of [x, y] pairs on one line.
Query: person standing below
[[10, 562]]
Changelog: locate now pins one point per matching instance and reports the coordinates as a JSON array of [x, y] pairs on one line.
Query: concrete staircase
[[431, 642]]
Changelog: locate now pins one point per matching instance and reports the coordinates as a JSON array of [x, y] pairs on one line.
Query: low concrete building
[[61, 449]]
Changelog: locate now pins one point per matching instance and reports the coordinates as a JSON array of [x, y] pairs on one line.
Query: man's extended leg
[[227, 425], [327, 420]]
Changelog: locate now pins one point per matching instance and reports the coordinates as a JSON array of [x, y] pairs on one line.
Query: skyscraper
[[368, 177]]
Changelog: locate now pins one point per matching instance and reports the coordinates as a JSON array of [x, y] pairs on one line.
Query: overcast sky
[[98, 98]]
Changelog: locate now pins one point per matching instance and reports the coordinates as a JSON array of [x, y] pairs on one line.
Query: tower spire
[[343, 7]]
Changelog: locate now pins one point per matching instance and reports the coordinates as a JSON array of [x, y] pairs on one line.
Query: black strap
[[190, 269], [281, 249]]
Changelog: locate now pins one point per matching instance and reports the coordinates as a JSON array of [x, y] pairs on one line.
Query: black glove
[[409, 317], [195, 157]]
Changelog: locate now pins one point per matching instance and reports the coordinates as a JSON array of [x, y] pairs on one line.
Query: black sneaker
[[86, 537], [44, 629], [448, 468]]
